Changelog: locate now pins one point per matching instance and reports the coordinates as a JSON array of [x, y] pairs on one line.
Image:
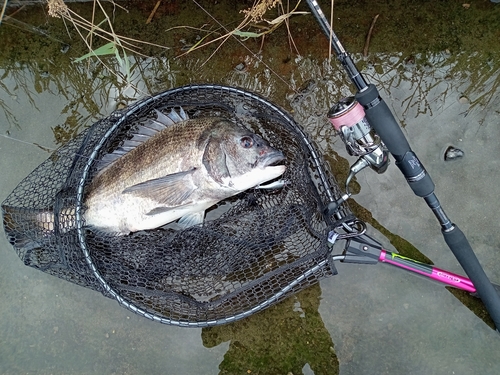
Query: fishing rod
[[367, 126]]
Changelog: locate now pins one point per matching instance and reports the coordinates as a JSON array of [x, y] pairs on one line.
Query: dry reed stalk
[[368, 37]]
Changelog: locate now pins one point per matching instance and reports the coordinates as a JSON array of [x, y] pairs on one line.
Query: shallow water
[[367, 319]]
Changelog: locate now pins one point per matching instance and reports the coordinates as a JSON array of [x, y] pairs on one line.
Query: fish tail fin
[[27, 228]]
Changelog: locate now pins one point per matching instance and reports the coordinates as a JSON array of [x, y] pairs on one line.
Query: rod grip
[[462, 250], [381, 118], [383, 122]]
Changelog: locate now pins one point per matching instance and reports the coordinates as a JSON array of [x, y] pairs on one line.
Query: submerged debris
[[305, 90]]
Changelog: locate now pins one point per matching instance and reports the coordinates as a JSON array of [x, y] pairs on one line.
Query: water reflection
[[59, 99]]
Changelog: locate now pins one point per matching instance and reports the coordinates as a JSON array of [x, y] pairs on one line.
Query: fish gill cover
[[251, 251]]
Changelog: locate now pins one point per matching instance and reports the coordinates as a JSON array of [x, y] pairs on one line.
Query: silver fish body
[[176, 172]]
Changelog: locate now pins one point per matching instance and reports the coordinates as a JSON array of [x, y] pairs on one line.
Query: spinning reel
[[348, 118]]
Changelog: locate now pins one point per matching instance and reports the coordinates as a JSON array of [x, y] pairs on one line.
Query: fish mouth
[[271, 158]]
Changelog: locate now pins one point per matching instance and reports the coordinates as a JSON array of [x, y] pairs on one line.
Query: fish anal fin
[[189, 220]]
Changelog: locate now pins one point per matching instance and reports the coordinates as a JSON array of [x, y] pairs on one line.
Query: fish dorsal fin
[[144, 131]]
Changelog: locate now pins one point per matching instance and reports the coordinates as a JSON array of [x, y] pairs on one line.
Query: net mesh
[[253, 249]]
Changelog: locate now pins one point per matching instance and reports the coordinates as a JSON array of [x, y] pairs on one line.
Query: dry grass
[[3, 10], [254, 20], [256, 23], [88, 31]]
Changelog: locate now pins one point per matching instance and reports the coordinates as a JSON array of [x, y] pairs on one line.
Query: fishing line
[[14, 22], [248, 49], [47, 149], [58, 151]]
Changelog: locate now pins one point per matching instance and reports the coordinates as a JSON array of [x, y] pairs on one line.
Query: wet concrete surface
[[371, 319]]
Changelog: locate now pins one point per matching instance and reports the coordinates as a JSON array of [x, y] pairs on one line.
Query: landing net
[[252, 251]]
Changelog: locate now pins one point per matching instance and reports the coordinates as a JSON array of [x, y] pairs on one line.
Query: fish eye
[[246, 142]]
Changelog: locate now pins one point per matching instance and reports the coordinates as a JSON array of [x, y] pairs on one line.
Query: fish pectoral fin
[[170, 191], [191, 219]]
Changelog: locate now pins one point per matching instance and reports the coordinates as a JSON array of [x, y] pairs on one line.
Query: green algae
[[279, 340]]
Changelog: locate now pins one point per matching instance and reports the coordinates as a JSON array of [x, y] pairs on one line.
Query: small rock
[[453, 153], [463, 100], [240, 67], [64, 48]]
